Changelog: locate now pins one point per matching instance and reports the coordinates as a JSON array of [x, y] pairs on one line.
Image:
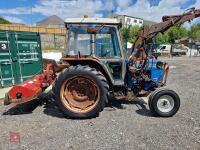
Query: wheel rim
[[80, 94], [165, 103]]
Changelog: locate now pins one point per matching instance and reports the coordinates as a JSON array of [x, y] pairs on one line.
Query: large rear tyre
[[81, 92], [164, 103]]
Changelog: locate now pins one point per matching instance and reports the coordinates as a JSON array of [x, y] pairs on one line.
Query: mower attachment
[[30, 89]]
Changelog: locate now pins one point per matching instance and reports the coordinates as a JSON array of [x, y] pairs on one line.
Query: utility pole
[[31, 16]]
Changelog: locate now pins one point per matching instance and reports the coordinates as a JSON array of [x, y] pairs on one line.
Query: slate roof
[[51, 21]]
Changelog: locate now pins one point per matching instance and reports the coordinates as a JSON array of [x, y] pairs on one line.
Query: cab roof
[[107, 21]]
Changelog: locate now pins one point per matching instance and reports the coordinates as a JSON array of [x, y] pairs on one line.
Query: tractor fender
[[93, 63]]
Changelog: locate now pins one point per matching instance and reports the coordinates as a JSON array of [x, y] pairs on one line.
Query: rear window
[[163, 47]]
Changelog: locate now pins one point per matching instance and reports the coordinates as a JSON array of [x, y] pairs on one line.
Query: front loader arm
[[147, 34]]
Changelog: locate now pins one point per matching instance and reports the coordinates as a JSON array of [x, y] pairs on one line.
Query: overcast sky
[[20, 11]]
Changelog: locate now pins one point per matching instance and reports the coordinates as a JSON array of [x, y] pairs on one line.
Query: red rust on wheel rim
[[79, 94]]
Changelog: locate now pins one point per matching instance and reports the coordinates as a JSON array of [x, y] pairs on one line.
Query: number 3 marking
[[3, 46]]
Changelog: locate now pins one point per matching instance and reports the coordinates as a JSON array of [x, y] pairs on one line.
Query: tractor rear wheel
[[81, 91]]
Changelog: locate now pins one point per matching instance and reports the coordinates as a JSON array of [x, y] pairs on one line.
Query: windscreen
[[101, 41]]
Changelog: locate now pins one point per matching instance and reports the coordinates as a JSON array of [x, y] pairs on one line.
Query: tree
[[162, 38], [194, 31], [145, 25], [126, 33], [4, 21], [134, 33], [174, 33]]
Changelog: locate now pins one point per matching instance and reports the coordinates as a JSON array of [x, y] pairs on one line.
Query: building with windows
[[129, 20], [132, 21]]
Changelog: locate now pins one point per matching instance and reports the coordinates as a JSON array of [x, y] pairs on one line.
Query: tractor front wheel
[[164, 102], [81, 91]]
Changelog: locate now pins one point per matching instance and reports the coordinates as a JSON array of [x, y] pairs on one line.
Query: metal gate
[[20, 57]]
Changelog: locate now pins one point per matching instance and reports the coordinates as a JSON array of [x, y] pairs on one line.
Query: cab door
[[109, 51]]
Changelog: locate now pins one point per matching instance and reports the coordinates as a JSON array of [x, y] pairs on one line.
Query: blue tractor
[[101, 69], [97, 68]]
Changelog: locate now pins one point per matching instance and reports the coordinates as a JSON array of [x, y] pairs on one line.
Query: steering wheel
[[138, 61]]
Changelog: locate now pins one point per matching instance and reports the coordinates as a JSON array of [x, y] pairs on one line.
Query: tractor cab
[[97, 39], [93, 37]]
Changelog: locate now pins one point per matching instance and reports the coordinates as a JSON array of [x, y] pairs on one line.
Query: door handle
[[26, 62], [14, 59]]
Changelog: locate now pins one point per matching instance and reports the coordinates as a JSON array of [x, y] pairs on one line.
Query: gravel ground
[[131, 128]]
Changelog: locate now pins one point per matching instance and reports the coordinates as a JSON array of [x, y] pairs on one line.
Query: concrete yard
[[3, 92], [134, 127]]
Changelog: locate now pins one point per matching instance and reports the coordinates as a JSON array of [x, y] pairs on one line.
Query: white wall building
[[129, 20]]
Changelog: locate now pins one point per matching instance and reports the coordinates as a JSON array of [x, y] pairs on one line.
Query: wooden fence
[[42, 30]]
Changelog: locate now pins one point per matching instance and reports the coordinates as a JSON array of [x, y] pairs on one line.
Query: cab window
[[107, 44]]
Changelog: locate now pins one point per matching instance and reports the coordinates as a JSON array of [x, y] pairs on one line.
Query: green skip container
[[20, 57]]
